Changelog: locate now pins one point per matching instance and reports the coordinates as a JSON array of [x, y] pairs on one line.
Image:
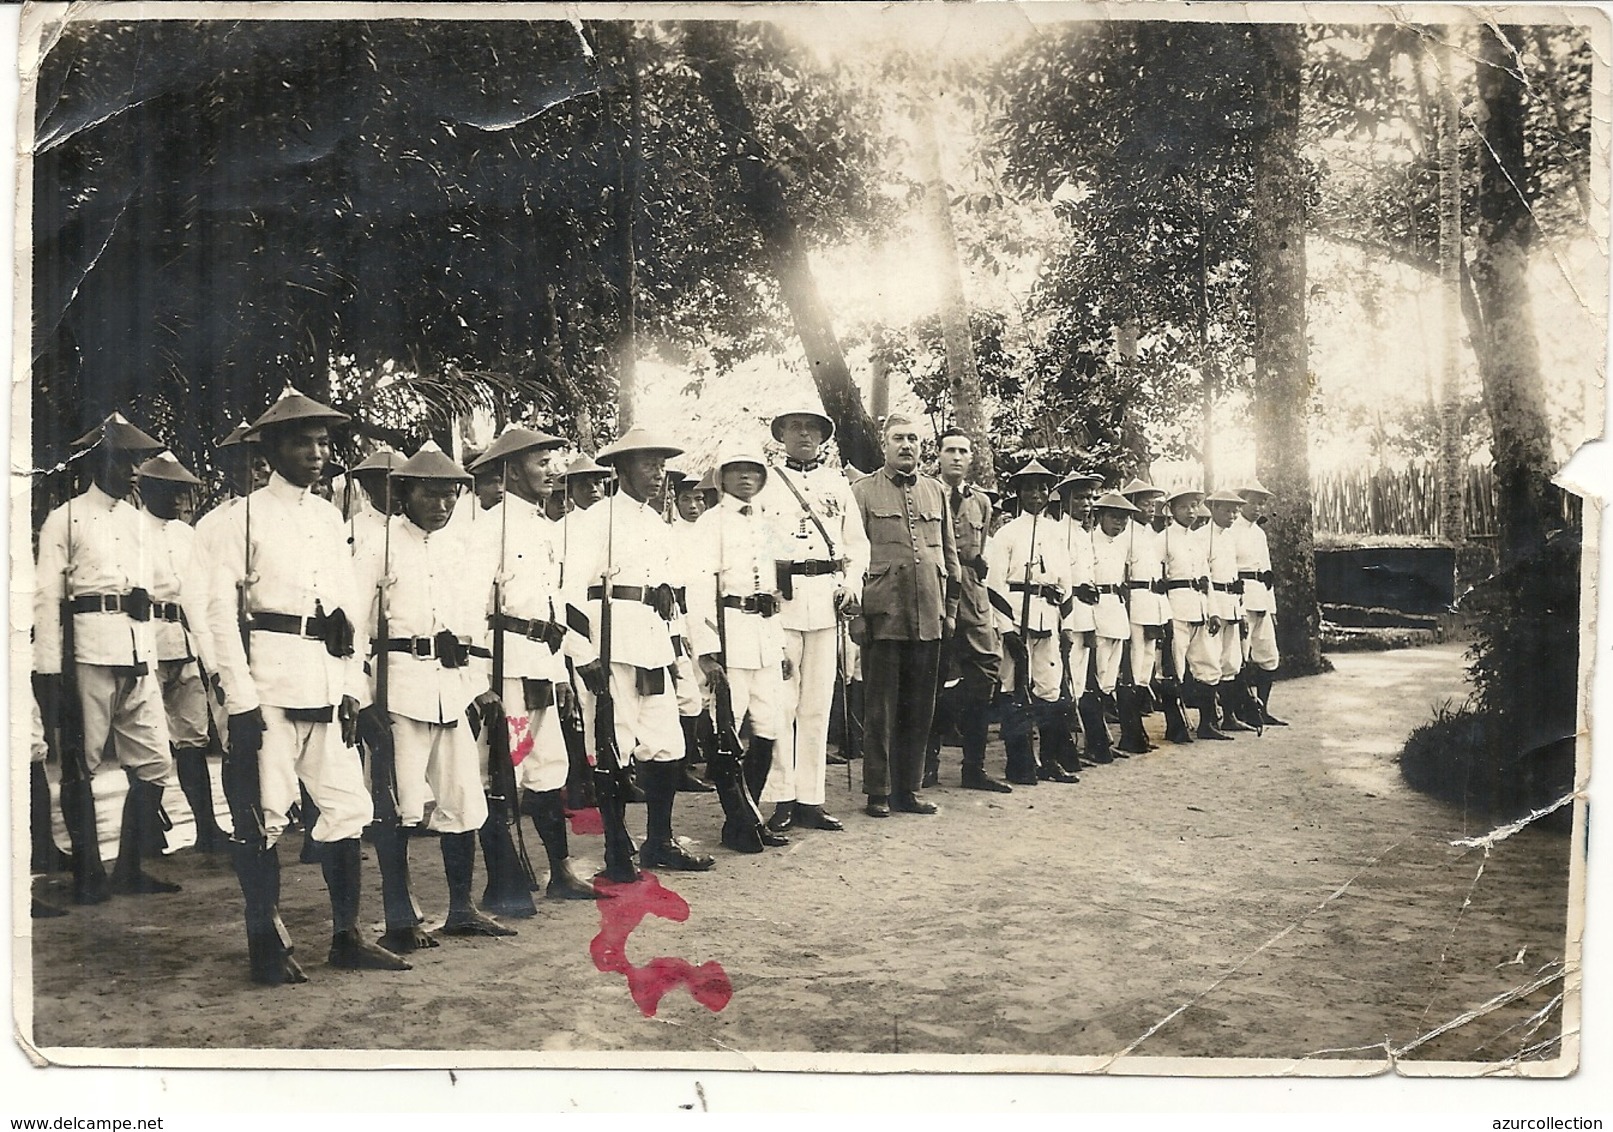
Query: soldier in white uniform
[[1111, 551], [823, 557], [184, 665], [619, 550], [1193, 622], [694, 696], [95, 553], [734, 626], [421, 608], [1147, 607], [1028, 583], [367, 513], [1226, 603], [1259, 599], [520, 549], [1080, 624], [283, 563]]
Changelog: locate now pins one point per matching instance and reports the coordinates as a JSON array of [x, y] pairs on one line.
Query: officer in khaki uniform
[[909, 602], [972, 655]]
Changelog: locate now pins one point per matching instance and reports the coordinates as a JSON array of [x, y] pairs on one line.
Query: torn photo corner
[[1341, 272]]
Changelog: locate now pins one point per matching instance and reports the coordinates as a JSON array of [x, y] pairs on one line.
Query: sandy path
[[1287, 891]]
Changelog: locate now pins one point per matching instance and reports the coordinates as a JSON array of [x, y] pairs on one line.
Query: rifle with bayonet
[[611, 785], [742, 819]]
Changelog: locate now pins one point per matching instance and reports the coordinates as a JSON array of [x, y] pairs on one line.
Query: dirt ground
[[1274, 897]]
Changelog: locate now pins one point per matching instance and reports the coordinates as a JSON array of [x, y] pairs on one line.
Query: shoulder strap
[[810, 514]]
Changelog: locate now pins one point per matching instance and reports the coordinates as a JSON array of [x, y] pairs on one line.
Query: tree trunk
[[627, 193], [1509, 363], [1452, 525], [1282, 370], [762, 196], [963, 379]]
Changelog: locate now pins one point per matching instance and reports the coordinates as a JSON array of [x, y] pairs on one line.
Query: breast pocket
[[929, 527], [887, 529]]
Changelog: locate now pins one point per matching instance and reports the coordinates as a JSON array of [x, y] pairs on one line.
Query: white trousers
[[647, 727], [1228, 647], [537, 747], [1047, 667], [1260, 649], [1144, 655], [800, 756], [129, 710], [1195, 652], [434, 761], [1110, 653], [184, 700], [331, 770]]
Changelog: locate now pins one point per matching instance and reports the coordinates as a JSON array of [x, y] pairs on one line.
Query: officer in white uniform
[[822, 560], [179, 610], [619, 550], [96, 552], [1028, 584], [421, 610], [519, 550], [283, 555], [1259, 598], [732, 575]]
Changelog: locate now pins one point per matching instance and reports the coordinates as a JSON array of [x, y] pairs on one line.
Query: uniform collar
[[95, 497], [282, 488], [803, 466], [513, 500], [733, 503], [900, 479]]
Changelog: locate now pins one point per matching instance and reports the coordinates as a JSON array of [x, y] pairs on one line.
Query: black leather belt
[[815, 566], [426, 649], [1105, 588], [1199, 584], [550, 633], [136, 603], [169, 611], [1136, 585], [1226, 587], [1049, 594], [1264, 577], [268, 622], [623, 593], [765, 604]]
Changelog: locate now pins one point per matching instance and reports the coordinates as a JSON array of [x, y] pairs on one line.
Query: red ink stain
[[521, 737], [586, 823], [620, 916]]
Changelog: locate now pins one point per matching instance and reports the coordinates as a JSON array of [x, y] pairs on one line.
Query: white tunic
[[1109, 574], [1222, 545], [1254, 556], [1186, 558], [432, 592], [630, 540], [300, 558], [112, 550], [1145, 563], [740, 541], [1007, 555], [1077, 543], [829, 497], [517, 537], [177, 578]]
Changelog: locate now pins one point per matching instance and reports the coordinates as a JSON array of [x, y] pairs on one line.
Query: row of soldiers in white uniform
[[1110, 607], [320, 639]]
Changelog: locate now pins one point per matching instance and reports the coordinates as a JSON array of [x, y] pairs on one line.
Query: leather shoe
[[980, 780], [784, 815], [1052, 773], [473, 923], [878, 806], [1022, 779], [813, 817], [931, 778], [1208, 730], [350, 950], [1271, 720], [913, 804], [401, 941], [771, 837], [670, 855]]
